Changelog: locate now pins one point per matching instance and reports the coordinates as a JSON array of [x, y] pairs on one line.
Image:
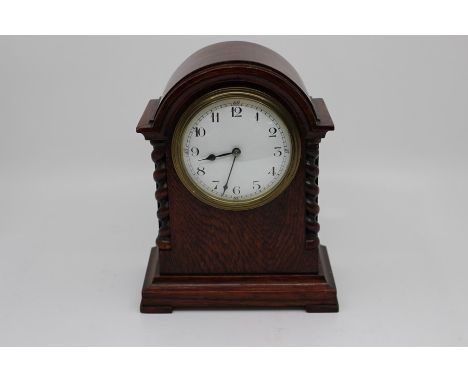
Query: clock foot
[[321, 308], [312, 292], [155, 309]]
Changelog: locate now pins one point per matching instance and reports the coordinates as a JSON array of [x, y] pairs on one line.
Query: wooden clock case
[[269, 256]]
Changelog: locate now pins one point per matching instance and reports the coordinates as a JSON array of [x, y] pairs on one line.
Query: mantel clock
[[236, 146]]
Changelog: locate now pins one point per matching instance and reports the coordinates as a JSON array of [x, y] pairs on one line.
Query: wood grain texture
[[267, 239], [236, 64], [314, 293], [234, 52]]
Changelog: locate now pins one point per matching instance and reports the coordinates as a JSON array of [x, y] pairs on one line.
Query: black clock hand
[[236, 153], [213, 157]]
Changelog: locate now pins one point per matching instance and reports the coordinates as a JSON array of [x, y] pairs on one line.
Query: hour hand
[[212, 157]]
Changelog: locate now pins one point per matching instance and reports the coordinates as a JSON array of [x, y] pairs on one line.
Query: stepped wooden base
[[314, 293]]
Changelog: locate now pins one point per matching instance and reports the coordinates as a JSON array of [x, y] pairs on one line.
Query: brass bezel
[[200, 193]]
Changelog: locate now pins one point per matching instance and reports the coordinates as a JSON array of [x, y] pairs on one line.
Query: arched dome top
[[234, 64], [235, 51]]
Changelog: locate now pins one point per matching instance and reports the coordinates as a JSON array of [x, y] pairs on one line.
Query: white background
[[78, 215]]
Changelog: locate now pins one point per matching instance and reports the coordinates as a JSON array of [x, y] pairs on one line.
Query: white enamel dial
[[236, 149]]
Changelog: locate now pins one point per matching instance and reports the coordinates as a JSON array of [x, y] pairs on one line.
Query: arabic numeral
[[201, 171], [256, 185], [236, 111], [278, 152], [200, 132], [272, 131], [236, 190], [194, 150]]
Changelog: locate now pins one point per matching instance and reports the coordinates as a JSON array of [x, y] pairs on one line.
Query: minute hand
[[235, 152]]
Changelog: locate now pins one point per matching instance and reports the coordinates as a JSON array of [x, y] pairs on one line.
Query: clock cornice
[[207, 70]]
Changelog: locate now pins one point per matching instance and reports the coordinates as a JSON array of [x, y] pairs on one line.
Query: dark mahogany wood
[[279, 239], [313, 292]]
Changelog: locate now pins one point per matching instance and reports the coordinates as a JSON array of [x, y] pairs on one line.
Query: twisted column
[[163, 241], [311, 198]]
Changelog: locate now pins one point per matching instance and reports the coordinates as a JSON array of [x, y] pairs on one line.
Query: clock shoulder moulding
[[267, 255]]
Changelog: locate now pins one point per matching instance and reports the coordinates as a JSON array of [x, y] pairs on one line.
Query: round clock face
[[234, 149]]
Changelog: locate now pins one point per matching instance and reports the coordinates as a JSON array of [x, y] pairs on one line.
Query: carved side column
[[312, 190], [163, 241]]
